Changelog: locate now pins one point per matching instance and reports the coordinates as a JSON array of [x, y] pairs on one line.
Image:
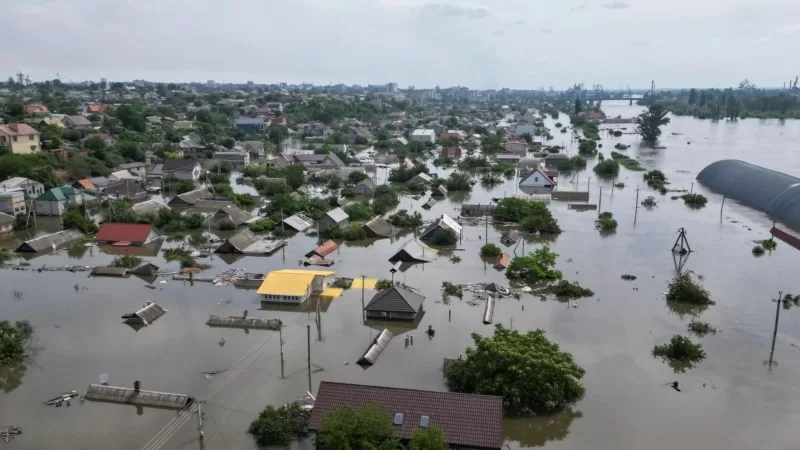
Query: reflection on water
[[685, 310], [541, 429], [11, 376]]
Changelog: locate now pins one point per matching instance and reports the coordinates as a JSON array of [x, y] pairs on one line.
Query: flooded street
[[729, 401]]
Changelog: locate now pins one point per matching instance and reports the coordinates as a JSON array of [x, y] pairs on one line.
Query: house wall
[[363, 190], [423, 138], [50, 208], [384, 315], [194, 175], [292, 299], [250, 128], [21, 144], [8, 228], [535, 179], [13, 203], [236, 159]]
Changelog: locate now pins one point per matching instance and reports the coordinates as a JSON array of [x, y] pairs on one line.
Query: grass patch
[[627, 162]]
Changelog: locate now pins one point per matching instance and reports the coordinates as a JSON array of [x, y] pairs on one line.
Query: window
[[383, 314], [33, 148], [535, 178], [398, 418], [30, 137], [424, 421], [14, 138]]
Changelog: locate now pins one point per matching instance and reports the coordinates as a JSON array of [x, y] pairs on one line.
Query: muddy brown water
[[731, 400]]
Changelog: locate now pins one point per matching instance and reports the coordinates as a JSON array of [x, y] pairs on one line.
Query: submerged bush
[[694, 200], [490, 251], [606, 223], [607, 168], [565, 289], [680, 348], [769, 244], [701, 328], [758, 250], [683, 289]]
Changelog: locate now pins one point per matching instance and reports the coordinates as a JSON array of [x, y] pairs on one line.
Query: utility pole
[[280, 337], [775, 330], [363, 314], [721, 206], [636, 210], [486, 233], [308, 339], [319, 319], [600, 201], [200, 418]]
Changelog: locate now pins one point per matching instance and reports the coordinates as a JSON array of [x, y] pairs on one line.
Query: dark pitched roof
[[466, 420], [179, 165], [317, 158], [127, 187], [395, 299]]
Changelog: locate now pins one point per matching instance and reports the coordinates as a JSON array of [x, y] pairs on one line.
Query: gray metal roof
[[149, 207], [337, 215], [379, 227], [443, 222], [243, 239], [49, 241], [299, 222], [769, 191], [194, 196], [395, 299], [319, 157], [5, 219], [414, 251], [249, 121], [233, 214]]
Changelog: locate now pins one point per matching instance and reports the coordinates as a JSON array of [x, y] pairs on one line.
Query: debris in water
[[628, 277], [221, 341], [163, 281], [149, 286], [7, 433], [61, 398]]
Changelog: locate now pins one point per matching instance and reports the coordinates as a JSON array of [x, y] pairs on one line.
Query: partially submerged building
[[232, 214], [49, 242], [323, 250], [126, 234], [334, 218], [443, 223], [294, 286], [467, 421], [413, 252], [775, 193], [299, 222], [379, 228], [395, 303], [245, 242]]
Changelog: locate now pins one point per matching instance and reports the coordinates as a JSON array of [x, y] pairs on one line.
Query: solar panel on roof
[[424, 421], [398, 418]]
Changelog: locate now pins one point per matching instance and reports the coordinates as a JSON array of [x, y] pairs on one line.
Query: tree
[[490, 251], [430, 438], [356, 177], [96, 144], [578, 106], [537, 266], [529, 371], [692, 96], [527, 136], [75, 218], [366, 428], [295, 176], [13, 340], [358, 212], [533, 216], [650, 123], [279, 426], [443, 237], [607, 168], [277, 134], [227, 142], [458, 182]]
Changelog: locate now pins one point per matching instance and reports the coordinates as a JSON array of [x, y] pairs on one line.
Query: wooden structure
[[570, 196], [580, 207], [108, 271], [154, 399], [244, 322], [375, 349]]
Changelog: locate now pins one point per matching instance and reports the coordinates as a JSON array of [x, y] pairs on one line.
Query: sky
[[481, 44]]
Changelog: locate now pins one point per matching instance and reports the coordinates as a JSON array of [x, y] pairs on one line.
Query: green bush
[[359, 212], [769, 244], [695, 201], [348, 192], [656, 180], [261, 225], [402, 219], [76, 218], [14, 337], [490, 251], [127, 261], [606, 223], [226, 225], [607, 168], [383, 284], [352, 232], [537, 266], [279, 426], [627, 162], [683, 289], [443, 237], [458, 182], [587, 147], [565, 289], [701, 328], [533, 216], [681, 349]]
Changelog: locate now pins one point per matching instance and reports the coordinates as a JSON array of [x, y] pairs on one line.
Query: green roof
[[59, 193]]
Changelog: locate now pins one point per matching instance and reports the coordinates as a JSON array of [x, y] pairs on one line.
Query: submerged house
[[299, 222], [323, 250], [538, 178], [471, 210], [439, 192], [379, 228], [294, 286], [190, 198], [334, 218], [442, 223], [125, 234], [413, 252], [467, 421], [395, 303], [49, 242], [232, 214]]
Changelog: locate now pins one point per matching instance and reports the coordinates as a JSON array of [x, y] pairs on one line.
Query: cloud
[[790, 28], [519, 22], [447, 10], [615, 5], [579, 8], [763, 40], [546, 31]]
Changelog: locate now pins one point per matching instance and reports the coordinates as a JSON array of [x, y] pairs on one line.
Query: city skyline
[[481, 45]]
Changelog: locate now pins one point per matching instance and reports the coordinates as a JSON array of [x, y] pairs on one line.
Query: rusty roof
[[324, 250], [466, 420], [124, 232]]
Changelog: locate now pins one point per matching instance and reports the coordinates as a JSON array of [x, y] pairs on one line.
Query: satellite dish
[[104, 379]]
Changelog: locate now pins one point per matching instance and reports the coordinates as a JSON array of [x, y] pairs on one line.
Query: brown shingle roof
[[16, 129], [466, 420]]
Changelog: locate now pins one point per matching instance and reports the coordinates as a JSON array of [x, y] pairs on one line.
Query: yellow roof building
[[290, 282]]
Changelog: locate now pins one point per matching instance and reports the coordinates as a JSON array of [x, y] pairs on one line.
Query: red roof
[[36, 107], [97, 108], [136, 233], [86, 184], [448, 135], [503, 260], [278, 121], [552, 174], [466, 420], [325, 249], [546, 175], [452, 152]]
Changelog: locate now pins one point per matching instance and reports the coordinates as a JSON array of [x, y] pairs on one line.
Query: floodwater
[[731, 400]]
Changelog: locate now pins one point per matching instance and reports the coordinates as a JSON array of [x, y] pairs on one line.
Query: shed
[[774, 193], [146, 315], [365, 187], [147, 269], [323, 250], [413, 252], [420, 178], [148, 207], [379, 228], [334, 218], [190, 198], [108, 271], [444, 222], [238, 242], [49, 242], [439, 192], [232, 214], [299, 222], [112, 394], [469, 210], [395, 303]]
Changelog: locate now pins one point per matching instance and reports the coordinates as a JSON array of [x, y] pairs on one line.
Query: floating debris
[[7, 433], [61, 398], [628, 277]]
